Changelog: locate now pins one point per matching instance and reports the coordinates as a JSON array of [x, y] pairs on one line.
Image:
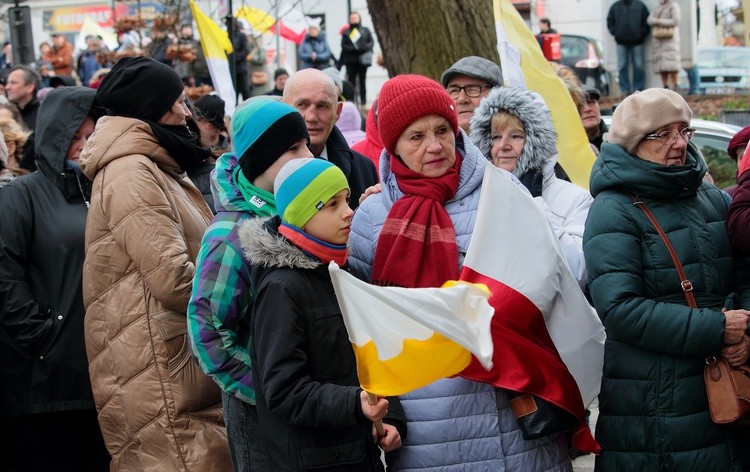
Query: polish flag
[[534, 332], [292, 23], [548, 341]]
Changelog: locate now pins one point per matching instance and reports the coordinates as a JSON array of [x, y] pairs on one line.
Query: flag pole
[[230, 20], [278, 37], [372, 400]]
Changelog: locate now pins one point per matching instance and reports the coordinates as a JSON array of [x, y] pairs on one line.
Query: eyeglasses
[[670, 137], [471, 91]]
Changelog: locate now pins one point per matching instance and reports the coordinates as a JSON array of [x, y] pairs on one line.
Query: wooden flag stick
[[372, 400]]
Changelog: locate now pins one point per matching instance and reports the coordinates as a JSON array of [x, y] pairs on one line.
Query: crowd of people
[[24, 86], [165, 300]]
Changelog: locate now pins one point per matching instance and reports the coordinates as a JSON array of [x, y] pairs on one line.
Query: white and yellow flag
[[216, 45], [406, 338], [524, 65]]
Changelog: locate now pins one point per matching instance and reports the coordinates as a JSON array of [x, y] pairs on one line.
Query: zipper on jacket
[[57, 321]]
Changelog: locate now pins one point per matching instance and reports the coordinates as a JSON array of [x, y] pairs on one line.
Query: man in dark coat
[[591, 117], [160, 42], [314, 94], [21, 89], [23, 84], [241, 49], [46, 404], [626, 21], [279, 80]]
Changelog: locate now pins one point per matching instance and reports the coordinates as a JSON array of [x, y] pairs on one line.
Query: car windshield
[[727, 57], [574, 47]]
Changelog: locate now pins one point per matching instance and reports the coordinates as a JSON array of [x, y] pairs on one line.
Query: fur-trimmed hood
[[263, 246], [540, 149]]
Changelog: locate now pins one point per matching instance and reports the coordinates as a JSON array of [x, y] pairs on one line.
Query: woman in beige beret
[[653, 408]]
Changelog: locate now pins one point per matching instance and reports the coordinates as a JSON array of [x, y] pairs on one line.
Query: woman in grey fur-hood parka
[[565, 204]]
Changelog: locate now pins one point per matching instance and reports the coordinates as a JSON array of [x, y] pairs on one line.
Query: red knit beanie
[[744, 162], [738, 140], [406, 98]]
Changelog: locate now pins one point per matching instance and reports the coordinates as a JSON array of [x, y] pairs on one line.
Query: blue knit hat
[[263, 130], [303, 186]]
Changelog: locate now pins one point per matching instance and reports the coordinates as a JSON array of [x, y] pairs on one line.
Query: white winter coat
[[565, 204]]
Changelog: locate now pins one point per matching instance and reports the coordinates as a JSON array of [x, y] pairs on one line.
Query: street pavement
[[586, 463]]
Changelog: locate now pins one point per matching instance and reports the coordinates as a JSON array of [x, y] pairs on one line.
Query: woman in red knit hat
[[736, 149], [414, 234]]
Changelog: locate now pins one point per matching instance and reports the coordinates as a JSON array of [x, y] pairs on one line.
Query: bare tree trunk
[[427, 36]]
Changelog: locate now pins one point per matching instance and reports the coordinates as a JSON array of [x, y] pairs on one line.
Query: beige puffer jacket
[[665, 53], [157, 410]]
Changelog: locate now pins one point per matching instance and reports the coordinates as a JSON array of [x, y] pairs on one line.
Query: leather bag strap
[[687, 286]]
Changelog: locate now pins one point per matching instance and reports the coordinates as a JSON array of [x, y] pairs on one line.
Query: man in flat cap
[[591, 117], [467, 82]]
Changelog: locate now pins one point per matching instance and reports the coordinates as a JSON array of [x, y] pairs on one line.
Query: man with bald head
[[313, 93]]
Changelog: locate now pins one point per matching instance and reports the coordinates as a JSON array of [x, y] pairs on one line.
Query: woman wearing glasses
[[653, 412], [513, 129]]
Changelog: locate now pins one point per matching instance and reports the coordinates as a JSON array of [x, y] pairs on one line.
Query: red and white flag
[[544, 338], [548, 341]]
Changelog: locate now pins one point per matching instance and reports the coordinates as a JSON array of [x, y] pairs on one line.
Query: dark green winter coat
[[653, 408]]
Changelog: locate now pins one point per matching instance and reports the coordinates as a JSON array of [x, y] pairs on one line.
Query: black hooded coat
[[42, 217]]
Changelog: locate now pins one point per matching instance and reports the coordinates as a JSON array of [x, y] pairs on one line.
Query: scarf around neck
[[321, 250], [417, 243], [262, 202], [181, 145]]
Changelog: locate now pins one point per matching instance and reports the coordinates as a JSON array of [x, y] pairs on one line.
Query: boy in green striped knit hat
[[311, 408]]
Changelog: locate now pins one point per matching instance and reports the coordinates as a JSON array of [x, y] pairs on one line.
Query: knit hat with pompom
[[406, 98]]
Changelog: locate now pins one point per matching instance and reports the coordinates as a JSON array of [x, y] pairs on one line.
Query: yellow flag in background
[[525, 66], [260, 20], [216, 45]]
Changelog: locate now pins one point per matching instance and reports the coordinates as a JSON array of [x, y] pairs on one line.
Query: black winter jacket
[[201, 178], [626, 21], [304, 370], [599, 138], [42, 218], [350, 51], [360, 172], [241, 50]]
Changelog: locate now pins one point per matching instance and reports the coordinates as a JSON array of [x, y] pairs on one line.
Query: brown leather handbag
[[728, 390], [662, 32], [727, 387]]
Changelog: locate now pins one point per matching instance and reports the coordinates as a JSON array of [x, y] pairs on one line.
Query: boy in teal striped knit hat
[[266, 134], [308, 397]]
